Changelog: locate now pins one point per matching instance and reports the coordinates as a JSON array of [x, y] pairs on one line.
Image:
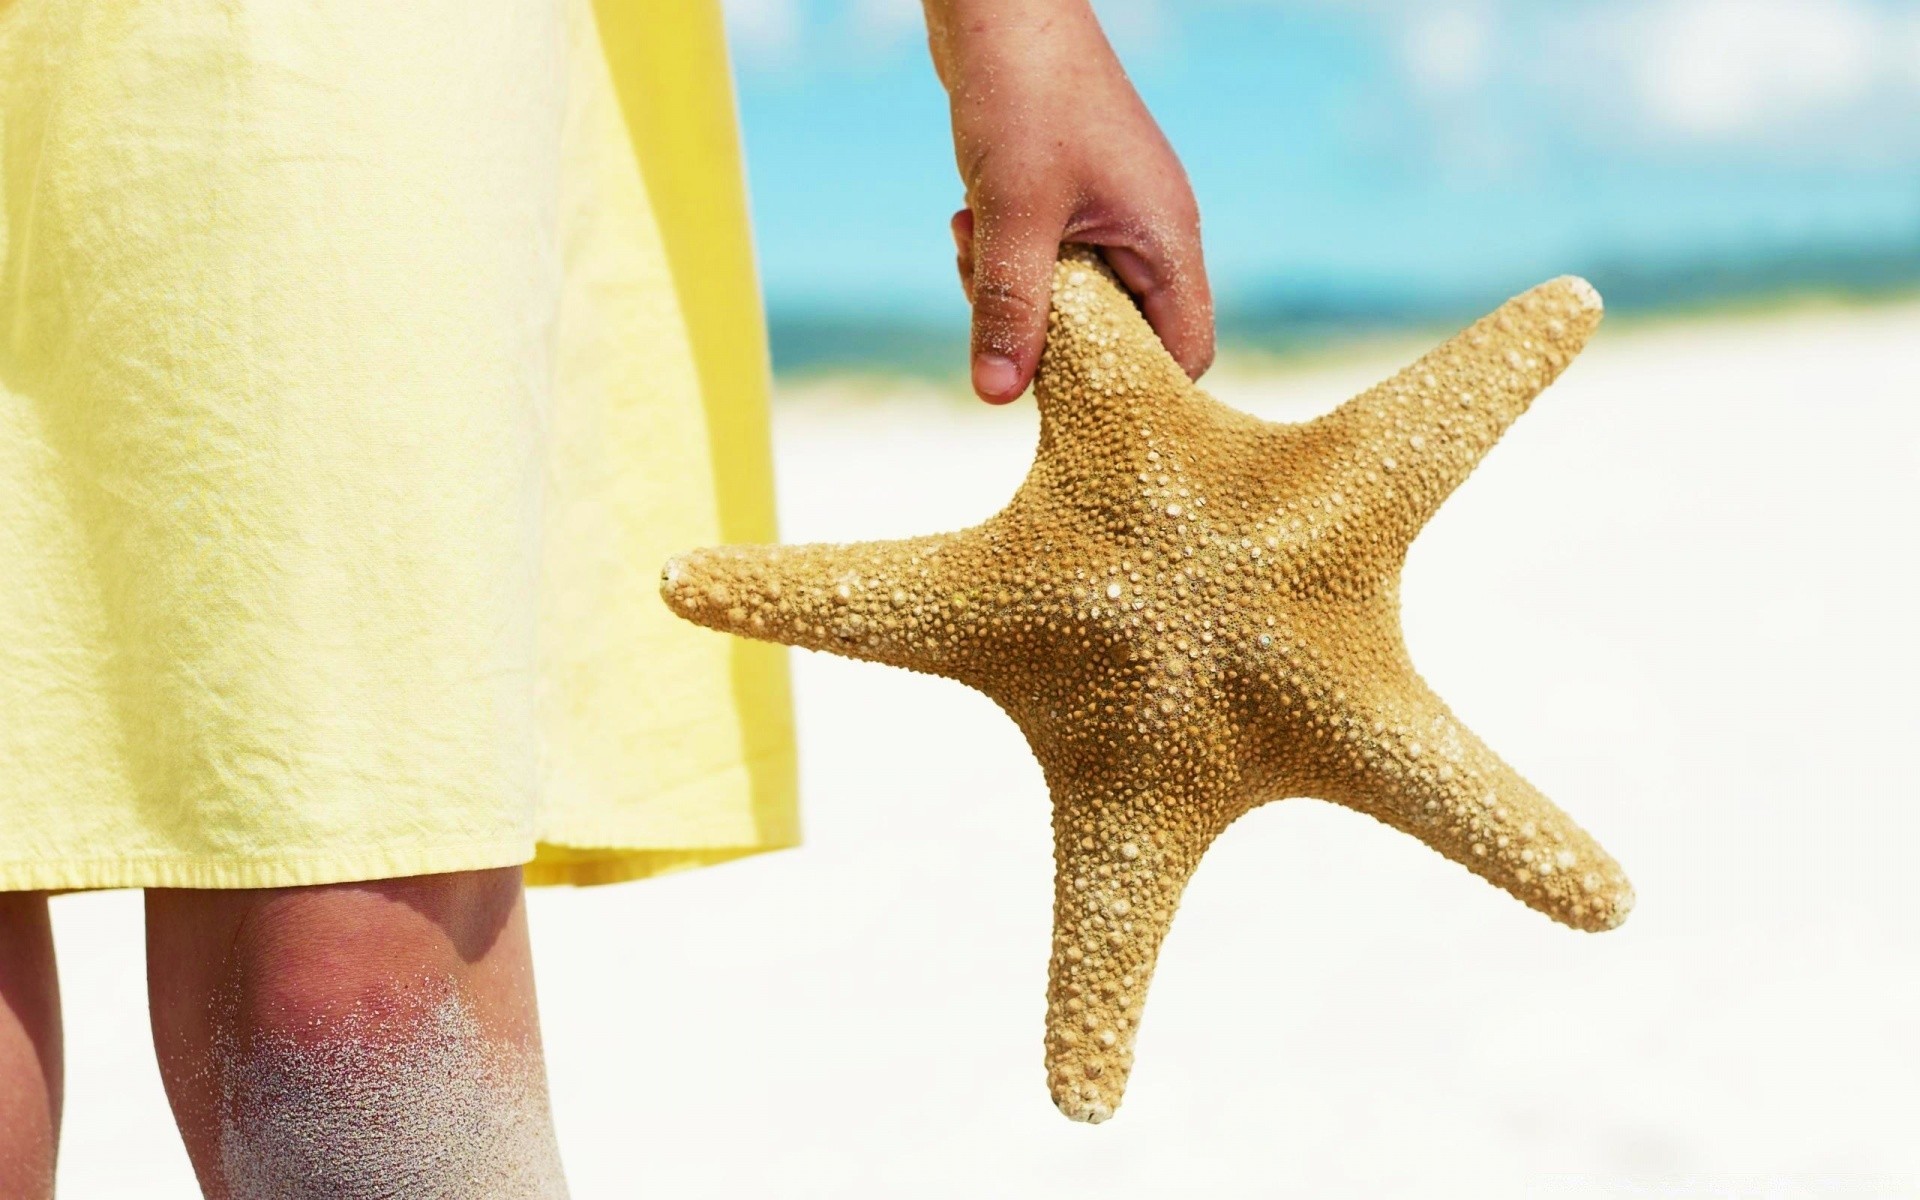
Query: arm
[[1054, 145]]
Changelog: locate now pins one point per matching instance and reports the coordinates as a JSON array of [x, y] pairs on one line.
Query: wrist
[[972, 38]]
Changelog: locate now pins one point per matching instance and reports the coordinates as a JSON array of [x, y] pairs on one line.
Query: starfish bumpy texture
[[1190, 612]]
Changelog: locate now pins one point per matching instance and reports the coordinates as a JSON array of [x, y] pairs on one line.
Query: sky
[[1384, 145]]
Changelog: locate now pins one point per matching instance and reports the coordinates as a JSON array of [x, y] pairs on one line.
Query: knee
[[374, 960], [358, 1060], [354, 1040]]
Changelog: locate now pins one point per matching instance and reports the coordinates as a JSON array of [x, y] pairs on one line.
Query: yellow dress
[[359, 366]]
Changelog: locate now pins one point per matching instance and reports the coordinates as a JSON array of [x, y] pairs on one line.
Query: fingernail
[[995, 377]]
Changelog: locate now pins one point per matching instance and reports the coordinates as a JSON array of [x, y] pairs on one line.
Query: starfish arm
[[1104, 369], [1399, 449], [1414, 766], [1125, 844], [903, 603]]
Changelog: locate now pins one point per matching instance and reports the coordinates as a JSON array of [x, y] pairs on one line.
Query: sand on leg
[[354, 1040], [30, 1059]]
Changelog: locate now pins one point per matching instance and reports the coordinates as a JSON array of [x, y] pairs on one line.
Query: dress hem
[[581, 854], [581, 867], [618, 865], [279, 870]]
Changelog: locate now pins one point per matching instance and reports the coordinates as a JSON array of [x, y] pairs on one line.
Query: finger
[[1013, 257], [962, 228], [1169, 279]]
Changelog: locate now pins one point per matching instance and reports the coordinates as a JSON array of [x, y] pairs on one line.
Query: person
[[361, 364]]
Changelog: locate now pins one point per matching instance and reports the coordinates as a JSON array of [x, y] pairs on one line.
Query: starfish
[[1190, 612]]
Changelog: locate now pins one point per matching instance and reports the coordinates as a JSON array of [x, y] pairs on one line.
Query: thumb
[[1012, 259]]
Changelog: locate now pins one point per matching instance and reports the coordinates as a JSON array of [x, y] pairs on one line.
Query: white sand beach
[[1678, 597]]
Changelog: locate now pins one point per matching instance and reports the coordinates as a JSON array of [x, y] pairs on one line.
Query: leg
[[29, 1047], [354, 1040]]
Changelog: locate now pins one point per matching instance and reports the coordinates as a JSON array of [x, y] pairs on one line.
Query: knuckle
[[1004, 297]]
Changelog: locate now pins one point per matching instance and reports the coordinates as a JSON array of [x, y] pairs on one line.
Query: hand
[[1054, 145]]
